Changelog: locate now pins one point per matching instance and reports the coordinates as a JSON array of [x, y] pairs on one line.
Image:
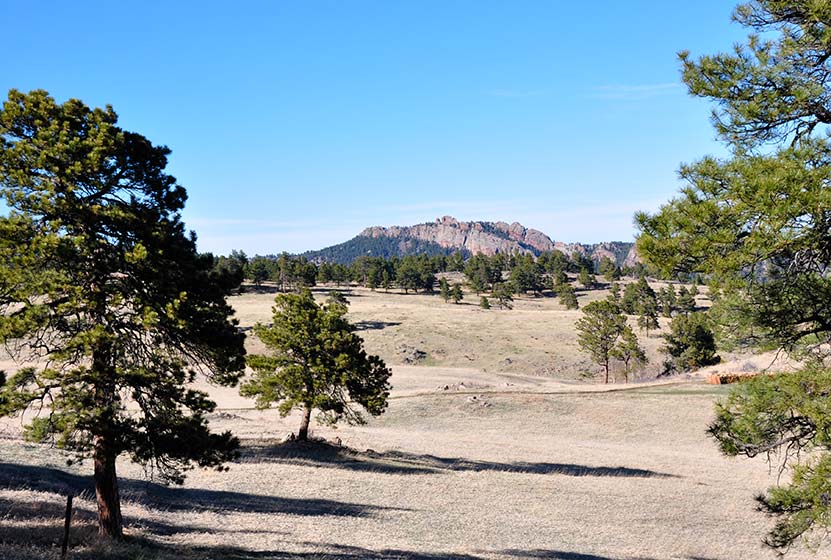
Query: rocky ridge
[[490, 238]]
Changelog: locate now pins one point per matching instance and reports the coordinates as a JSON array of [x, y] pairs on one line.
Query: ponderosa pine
[[758, 225], [105, 298]]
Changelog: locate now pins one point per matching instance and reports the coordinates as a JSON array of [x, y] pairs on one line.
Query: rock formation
[[447, 235], [490, 238]]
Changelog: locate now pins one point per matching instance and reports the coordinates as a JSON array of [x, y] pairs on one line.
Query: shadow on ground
[[259, 289], [32, 530], [147, 549], [563, 555], [172, 498], [374, 325], [322, 454]]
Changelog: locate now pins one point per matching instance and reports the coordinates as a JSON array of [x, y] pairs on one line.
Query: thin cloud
[[636, 91]]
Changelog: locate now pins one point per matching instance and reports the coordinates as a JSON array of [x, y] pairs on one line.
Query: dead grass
[[575, 475], [492, 460], [536, 338]]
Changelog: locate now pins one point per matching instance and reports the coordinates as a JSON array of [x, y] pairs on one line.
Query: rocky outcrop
[[601, 250], [632, 258], [490, 238]]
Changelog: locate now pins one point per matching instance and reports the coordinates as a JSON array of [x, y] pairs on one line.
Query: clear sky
[[294, 125]]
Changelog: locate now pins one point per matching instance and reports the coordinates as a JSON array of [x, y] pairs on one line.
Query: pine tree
[[598, 331], [690, 342], [258, 270], [559, 277], [614, 292], [629, 351], [444, 289], [756, 225], [686, 301], [316, 362], [567, 296], [665, 301], [456, 293], [609, 269], [104, 292], [648, 316], [586, 279], [504, 296]]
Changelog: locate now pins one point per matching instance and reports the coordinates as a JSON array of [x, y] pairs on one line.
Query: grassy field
[[536, 338], [477, 458]]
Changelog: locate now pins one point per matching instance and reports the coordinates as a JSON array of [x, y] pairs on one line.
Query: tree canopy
[[690, 342], [316, 362], [104, 297], [629, 351], [758, 226], [598, 331]]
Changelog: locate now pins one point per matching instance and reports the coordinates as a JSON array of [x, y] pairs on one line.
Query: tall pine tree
[[758, 225], [105, 298]]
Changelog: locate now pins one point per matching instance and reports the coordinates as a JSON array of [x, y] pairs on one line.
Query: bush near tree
[[503, 294], [690, 342], [567, 296], [444, 289], [456, 293]]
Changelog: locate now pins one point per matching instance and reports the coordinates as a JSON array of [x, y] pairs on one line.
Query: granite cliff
[[448, 235]]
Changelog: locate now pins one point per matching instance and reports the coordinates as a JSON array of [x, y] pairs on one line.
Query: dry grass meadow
[[495, 445]]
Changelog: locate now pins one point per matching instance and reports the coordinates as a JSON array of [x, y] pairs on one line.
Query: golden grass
[[486, 461], [537, 337]]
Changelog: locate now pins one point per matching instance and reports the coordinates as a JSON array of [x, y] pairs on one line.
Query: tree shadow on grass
[[374, 325], [39, 521], [541, 554], [259, 289], [563, 555], [321, 454], [322, 551], [145, 547], [174, 498], [40, 537], [348, 291], [33, 530]]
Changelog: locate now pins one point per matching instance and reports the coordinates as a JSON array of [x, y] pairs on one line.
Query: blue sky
[[294, 125]]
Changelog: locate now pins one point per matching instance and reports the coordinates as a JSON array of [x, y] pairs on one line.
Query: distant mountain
[[448, 235]]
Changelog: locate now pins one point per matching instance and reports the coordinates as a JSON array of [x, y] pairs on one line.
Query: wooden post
[[67, 520]]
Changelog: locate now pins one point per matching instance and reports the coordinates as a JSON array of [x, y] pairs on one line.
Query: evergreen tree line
[[520, 273]]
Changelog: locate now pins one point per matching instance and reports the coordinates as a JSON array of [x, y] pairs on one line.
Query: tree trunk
[[606, 365], [303, 434], [106, 490]]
